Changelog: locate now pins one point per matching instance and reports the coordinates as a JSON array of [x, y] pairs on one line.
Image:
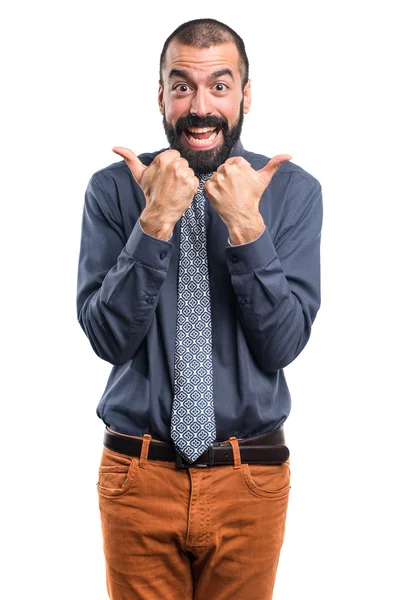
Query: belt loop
[[236, 452], [145, 450]]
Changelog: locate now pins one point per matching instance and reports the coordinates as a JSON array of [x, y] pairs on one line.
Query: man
[[199, 280]]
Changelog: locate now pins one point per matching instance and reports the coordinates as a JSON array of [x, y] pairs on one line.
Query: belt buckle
[[182, 463]]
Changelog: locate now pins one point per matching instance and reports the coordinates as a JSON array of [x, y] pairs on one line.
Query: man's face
[[203, 90]]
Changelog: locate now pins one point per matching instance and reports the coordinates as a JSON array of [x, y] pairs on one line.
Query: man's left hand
[[235, 190]]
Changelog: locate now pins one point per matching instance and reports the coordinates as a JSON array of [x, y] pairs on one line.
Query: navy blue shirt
[[264, 298]]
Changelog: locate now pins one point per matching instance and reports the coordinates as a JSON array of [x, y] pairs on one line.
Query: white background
[[79, 78]]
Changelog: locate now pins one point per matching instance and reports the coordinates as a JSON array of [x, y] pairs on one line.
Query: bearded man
[[199, 281]]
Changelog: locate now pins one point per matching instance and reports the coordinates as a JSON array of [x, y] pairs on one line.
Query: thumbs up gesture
[[235, 190], [168, 184]]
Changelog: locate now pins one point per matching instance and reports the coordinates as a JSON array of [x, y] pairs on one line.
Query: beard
[[204, 161]]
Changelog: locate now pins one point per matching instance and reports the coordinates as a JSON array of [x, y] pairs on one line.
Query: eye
[[221, 87], [183, 87]]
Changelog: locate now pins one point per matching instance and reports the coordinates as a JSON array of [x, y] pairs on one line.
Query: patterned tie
[[193, 419]]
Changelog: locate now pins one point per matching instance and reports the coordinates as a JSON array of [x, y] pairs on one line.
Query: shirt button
[[163, 254], [150, 300], [234, 258], [243, 300]]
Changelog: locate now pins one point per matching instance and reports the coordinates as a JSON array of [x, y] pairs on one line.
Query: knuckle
[[167, 156], [172, 154]]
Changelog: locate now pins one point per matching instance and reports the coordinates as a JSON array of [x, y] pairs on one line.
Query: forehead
[[201, 60]]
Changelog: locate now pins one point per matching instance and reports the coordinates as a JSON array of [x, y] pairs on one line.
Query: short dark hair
[[204, 33]]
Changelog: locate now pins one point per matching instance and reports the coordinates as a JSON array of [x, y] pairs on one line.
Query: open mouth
[[202, 137]]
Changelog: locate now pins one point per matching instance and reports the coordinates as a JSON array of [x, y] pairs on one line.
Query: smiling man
[[203, 101], [199, 281]]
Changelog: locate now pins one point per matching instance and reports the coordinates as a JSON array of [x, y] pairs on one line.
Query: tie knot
[[204, 176], [202, 179]]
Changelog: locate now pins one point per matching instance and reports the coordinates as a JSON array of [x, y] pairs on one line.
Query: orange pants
[[203, 533]]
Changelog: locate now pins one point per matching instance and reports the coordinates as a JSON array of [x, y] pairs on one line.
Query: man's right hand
[[168, 184]]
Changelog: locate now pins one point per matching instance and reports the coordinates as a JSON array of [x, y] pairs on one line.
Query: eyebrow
[[186, 74]]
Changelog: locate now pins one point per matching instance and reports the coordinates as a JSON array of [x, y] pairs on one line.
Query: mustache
[[194, 121]]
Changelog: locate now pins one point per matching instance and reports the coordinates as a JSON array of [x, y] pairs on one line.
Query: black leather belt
[[268, 448]]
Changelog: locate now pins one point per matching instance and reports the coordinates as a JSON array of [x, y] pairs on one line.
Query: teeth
[[201, 129], [203, 142]]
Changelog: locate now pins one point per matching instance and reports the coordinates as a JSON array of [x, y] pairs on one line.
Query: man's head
[[203, 84]]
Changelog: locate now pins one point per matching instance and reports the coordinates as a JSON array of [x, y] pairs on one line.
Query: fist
[[235, 189], [168, 183]]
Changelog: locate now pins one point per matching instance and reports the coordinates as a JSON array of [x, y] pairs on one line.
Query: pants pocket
[[117, 472], [267, 481]]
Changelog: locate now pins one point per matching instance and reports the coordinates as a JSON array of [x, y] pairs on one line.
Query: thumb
[[136, 166], [272, 166]]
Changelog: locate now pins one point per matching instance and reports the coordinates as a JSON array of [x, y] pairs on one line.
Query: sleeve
[[118, 283], [278, 288]]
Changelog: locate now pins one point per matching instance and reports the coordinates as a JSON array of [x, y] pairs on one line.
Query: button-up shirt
[[265, 295]]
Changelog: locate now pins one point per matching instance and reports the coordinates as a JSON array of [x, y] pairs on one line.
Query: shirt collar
[[238, 149]]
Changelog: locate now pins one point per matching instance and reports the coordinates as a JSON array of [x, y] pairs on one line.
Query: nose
[[201, 105]]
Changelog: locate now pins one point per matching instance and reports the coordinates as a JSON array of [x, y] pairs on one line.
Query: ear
[[247, 97], [160, 98]]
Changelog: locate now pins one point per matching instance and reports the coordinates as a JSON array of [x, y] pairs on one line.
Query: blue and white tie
[[193, 418]]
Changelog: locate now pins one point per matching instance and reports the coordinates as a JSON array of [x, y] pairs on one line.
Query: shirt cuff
[[148, 249], [244, 258], [252, 241]]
